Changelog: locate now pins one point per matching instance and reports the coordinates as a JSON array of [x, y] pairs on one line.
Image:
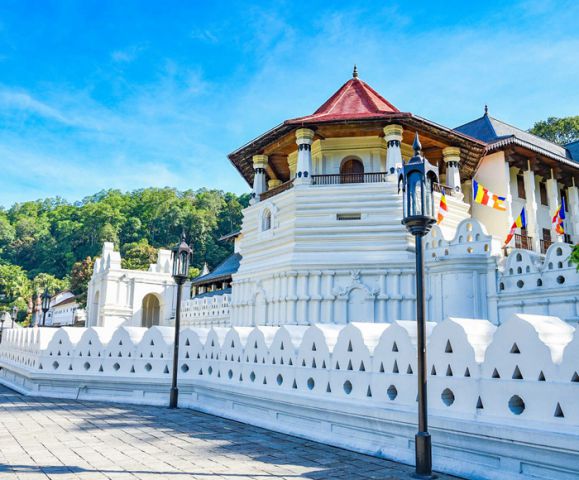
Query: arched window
[[266, 220], [352, 171], [150, 310]]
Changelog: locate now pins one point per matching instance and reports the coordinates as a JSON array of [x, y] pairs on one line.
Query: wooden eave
[[278, 142]]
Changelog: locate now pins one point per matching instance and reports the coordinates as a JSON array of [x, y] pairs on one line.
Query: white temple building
[[322, 240], [309, 327]]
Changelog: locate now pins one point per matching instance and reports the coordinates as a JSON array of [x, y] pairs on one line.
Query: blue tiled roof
[[222, 271], [498, 133], [573, 149]]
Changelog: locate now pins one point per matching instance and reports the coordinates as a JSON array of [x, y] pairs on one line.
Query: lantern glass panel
[[184, 264]]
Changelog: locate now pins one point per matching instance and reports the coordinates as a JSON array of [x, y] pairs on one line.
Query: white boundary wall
[[503, 401]]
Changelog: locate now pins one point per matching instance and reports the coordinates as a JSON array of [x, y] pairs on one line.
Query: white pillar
[[304, 137], [451, 156], [531, 208], [553, 198], [259, 179], [393, 137], [573, 207]]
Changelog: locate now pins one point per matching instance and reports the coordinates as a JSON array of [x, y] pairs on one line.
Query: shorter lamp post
[[2, 320], [45, 304], [14, 315], [417, 180], [181, 257]]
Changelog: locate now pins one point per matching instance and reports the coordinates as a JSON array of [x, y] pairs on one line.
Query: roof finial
[[486, 109], [416, 145], [355, 72]]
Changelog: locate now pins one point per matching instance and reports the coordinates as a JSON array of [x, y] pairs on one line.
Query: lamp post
[[181, 257], [14, 315], [45, 304], [417, 180], [2, 320]]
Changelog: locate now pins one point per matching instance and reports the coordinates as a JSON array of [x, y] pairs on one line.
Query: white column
[[531, 208], [393, 137], [304, 137], [328, 297], [451, 157], [259, 179], [573, 207], [291, 298], [553, 199]]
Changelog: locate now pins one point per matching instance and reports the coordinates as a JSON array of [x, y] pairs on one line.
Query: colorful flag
[[520, 222], [442, 208], [559, 218], [481, 195]]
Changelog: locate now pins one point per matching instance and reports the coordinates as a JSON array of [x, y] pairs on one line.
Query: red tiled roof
[[354, 100]]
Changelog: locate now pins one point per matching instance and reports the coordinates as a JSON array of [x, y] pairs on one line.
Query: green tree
[[53, 284], [575, 256], [79, 278], [558, 130], [138, 255], [15, 288]]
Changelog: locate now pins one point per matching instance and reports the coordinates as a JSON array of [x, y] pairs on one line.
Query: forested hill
[[50, 236]]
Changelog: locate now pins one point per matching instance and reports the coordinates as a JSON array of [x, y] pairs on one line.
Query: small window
[[547, 234], [543, 193], [521, 187], [266, 220], [348, 216]]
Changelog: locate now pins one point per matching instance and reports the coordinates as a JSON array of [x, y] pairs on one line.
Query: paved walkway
[[44, 438]]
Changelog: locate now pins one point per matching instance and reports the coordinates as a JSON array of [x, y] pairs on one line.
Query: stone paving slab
[[43, 438]]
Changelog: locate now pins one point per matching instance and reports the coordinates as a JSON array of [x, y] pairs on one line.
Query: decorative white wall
[[115, 295], [349, 385]]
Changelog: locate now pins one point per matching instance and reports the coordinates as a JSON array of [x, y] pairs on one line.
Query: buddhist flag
[[481, 195], [559, 217], [442, 208], [520, 222]]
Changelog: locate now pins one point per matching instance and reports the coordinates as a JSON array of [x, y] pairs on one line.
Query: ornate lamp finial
[[355, 72], [486, 109], [416, 145]]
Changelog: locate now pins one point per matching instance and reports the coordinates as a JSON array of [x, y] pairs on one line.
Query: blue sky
[[129, 94]]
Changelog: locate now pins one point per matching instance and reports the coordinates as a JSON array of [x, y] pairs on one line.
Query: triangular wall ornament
[[350, 349], [575, 377], [369, 392], [559, 411], [448, 371], [395, 368], [409, 370], [496, 374], [295, 385], [362, 367], [479, 404], [517, 375], [433, 370], [515, 348], [394, 347], [467, 372], [381, 367], [328, 388], [314, 347], [448, 348], [350, 365], [541, 376]]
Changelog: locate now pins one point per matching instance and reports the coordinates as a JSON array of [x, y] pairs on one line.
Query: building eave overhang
[[504, 142], [472, 148]]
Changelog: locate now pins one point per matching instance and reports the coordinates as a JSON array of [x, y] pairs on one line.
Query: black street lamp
[[2, 320], [181, 257], [45, 304], [14, 315], [417, 179]]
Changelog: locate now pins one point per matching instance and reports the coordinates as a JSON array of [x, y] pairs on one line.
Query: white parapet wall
[[503, 401], [208, 311]]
